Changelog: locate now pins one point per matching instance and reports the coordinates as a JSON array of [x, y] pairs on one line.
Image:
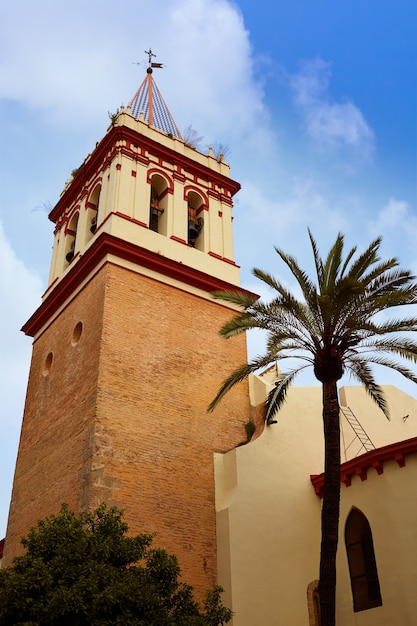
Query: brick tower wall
[[59, 414], [121, 416]]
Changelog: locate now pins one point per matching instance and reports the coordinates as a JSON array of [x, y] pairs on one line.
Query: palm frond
[[278, 393], [377, 359], [240, 324], [239, 375], [365, 260], [361, 370], [268, 279], [307, 286], [401, 346], [349, 257], [317, 259], [380, 273], [332, 266], [236, 297], [391, 326]]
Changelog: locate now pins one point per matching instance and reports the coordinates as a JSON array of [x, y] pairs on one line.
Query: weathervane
[[150, 63]]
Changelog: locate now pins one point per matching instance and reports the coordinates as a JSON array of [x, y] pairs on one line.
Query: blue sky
[[316, 101]]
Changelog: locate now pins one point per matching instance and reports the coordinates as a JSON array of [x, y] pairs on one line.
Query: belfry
[[126, 351]]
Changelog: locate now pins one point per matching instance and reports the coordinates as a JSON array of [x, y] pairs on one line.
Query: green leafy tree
[[339, 325], [86, 571]]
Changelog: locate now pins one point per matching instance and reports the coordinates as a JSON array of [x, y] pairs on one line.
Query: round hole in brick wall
[[48, 364], [76, 333]]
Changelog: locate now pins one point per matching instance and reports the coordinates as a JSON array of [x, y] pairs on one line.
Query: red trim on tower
[[109, 245], [360, 465], [199, 192], [178, 176], [175, 238], [118, 140], [154, 170]]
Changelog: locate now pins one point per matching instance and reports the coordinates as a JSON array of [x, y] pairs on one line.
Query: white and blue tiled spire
[[149, 101]]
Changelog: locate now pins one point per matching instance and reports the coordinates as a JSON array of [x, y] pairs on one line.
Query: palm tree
[[340, 325]]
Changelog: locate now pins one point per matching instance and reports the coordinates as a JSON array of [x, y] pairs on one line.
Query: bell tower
[[126, 351]]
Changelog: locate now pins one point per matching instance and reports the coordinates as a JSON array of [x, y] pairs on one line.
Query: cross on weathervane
[[150, 63]]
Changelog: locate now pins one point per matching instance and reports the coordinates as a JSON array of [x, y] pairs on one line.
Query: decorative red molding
[[198, 191], [162, 173], [226, 199], [140, 158], [89, 262], [215, 255], [178, 239], [117, 141], [178, 176], [360, 465]]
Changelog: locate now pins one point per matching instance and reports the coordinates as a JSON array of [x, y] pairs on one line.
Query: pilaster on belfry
[[226, 211], [55, 258], [179, 216], [141, 193], [126, 186], [112, 188], [169, 210], [216, 230], [104, 204]]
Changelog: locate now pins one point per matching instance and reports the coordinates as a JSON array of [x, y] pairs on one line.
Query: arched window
[[158, 205], [92, 212], [362, 565], [71, 234], [195, 220]]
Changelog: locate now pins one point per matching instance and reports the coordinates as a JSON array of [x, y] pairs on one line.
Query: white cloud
[[20, 293], [398, 224], [74, 61], [331, 125], [397, 214]]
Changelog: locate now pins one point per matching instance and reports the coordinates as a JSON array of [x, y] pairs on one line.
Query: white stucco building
[[269, 507]]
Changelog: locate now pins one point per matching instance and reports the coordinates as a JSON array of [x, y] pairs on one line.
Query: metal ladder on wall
[[357, 428]]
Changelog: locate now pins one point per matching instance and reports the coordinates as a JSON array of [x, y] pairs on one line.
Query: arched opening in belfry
[[70, 237], [195, 208], [92, 212], [158, 209]]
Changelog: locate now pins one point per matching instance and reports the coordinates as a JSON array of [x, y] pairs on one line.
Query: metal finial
[[150, 64], [150, 55]]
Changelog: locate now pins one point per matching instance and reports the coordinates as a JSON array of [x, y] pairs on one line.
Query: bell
[[193, 230]]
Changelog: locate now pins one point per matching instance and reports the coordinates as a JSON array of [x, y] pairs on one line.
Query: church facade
[[127, 357]]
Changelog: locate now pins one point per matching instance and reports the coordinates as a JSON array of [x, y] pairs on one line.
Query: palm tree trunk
[[331, 504]]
